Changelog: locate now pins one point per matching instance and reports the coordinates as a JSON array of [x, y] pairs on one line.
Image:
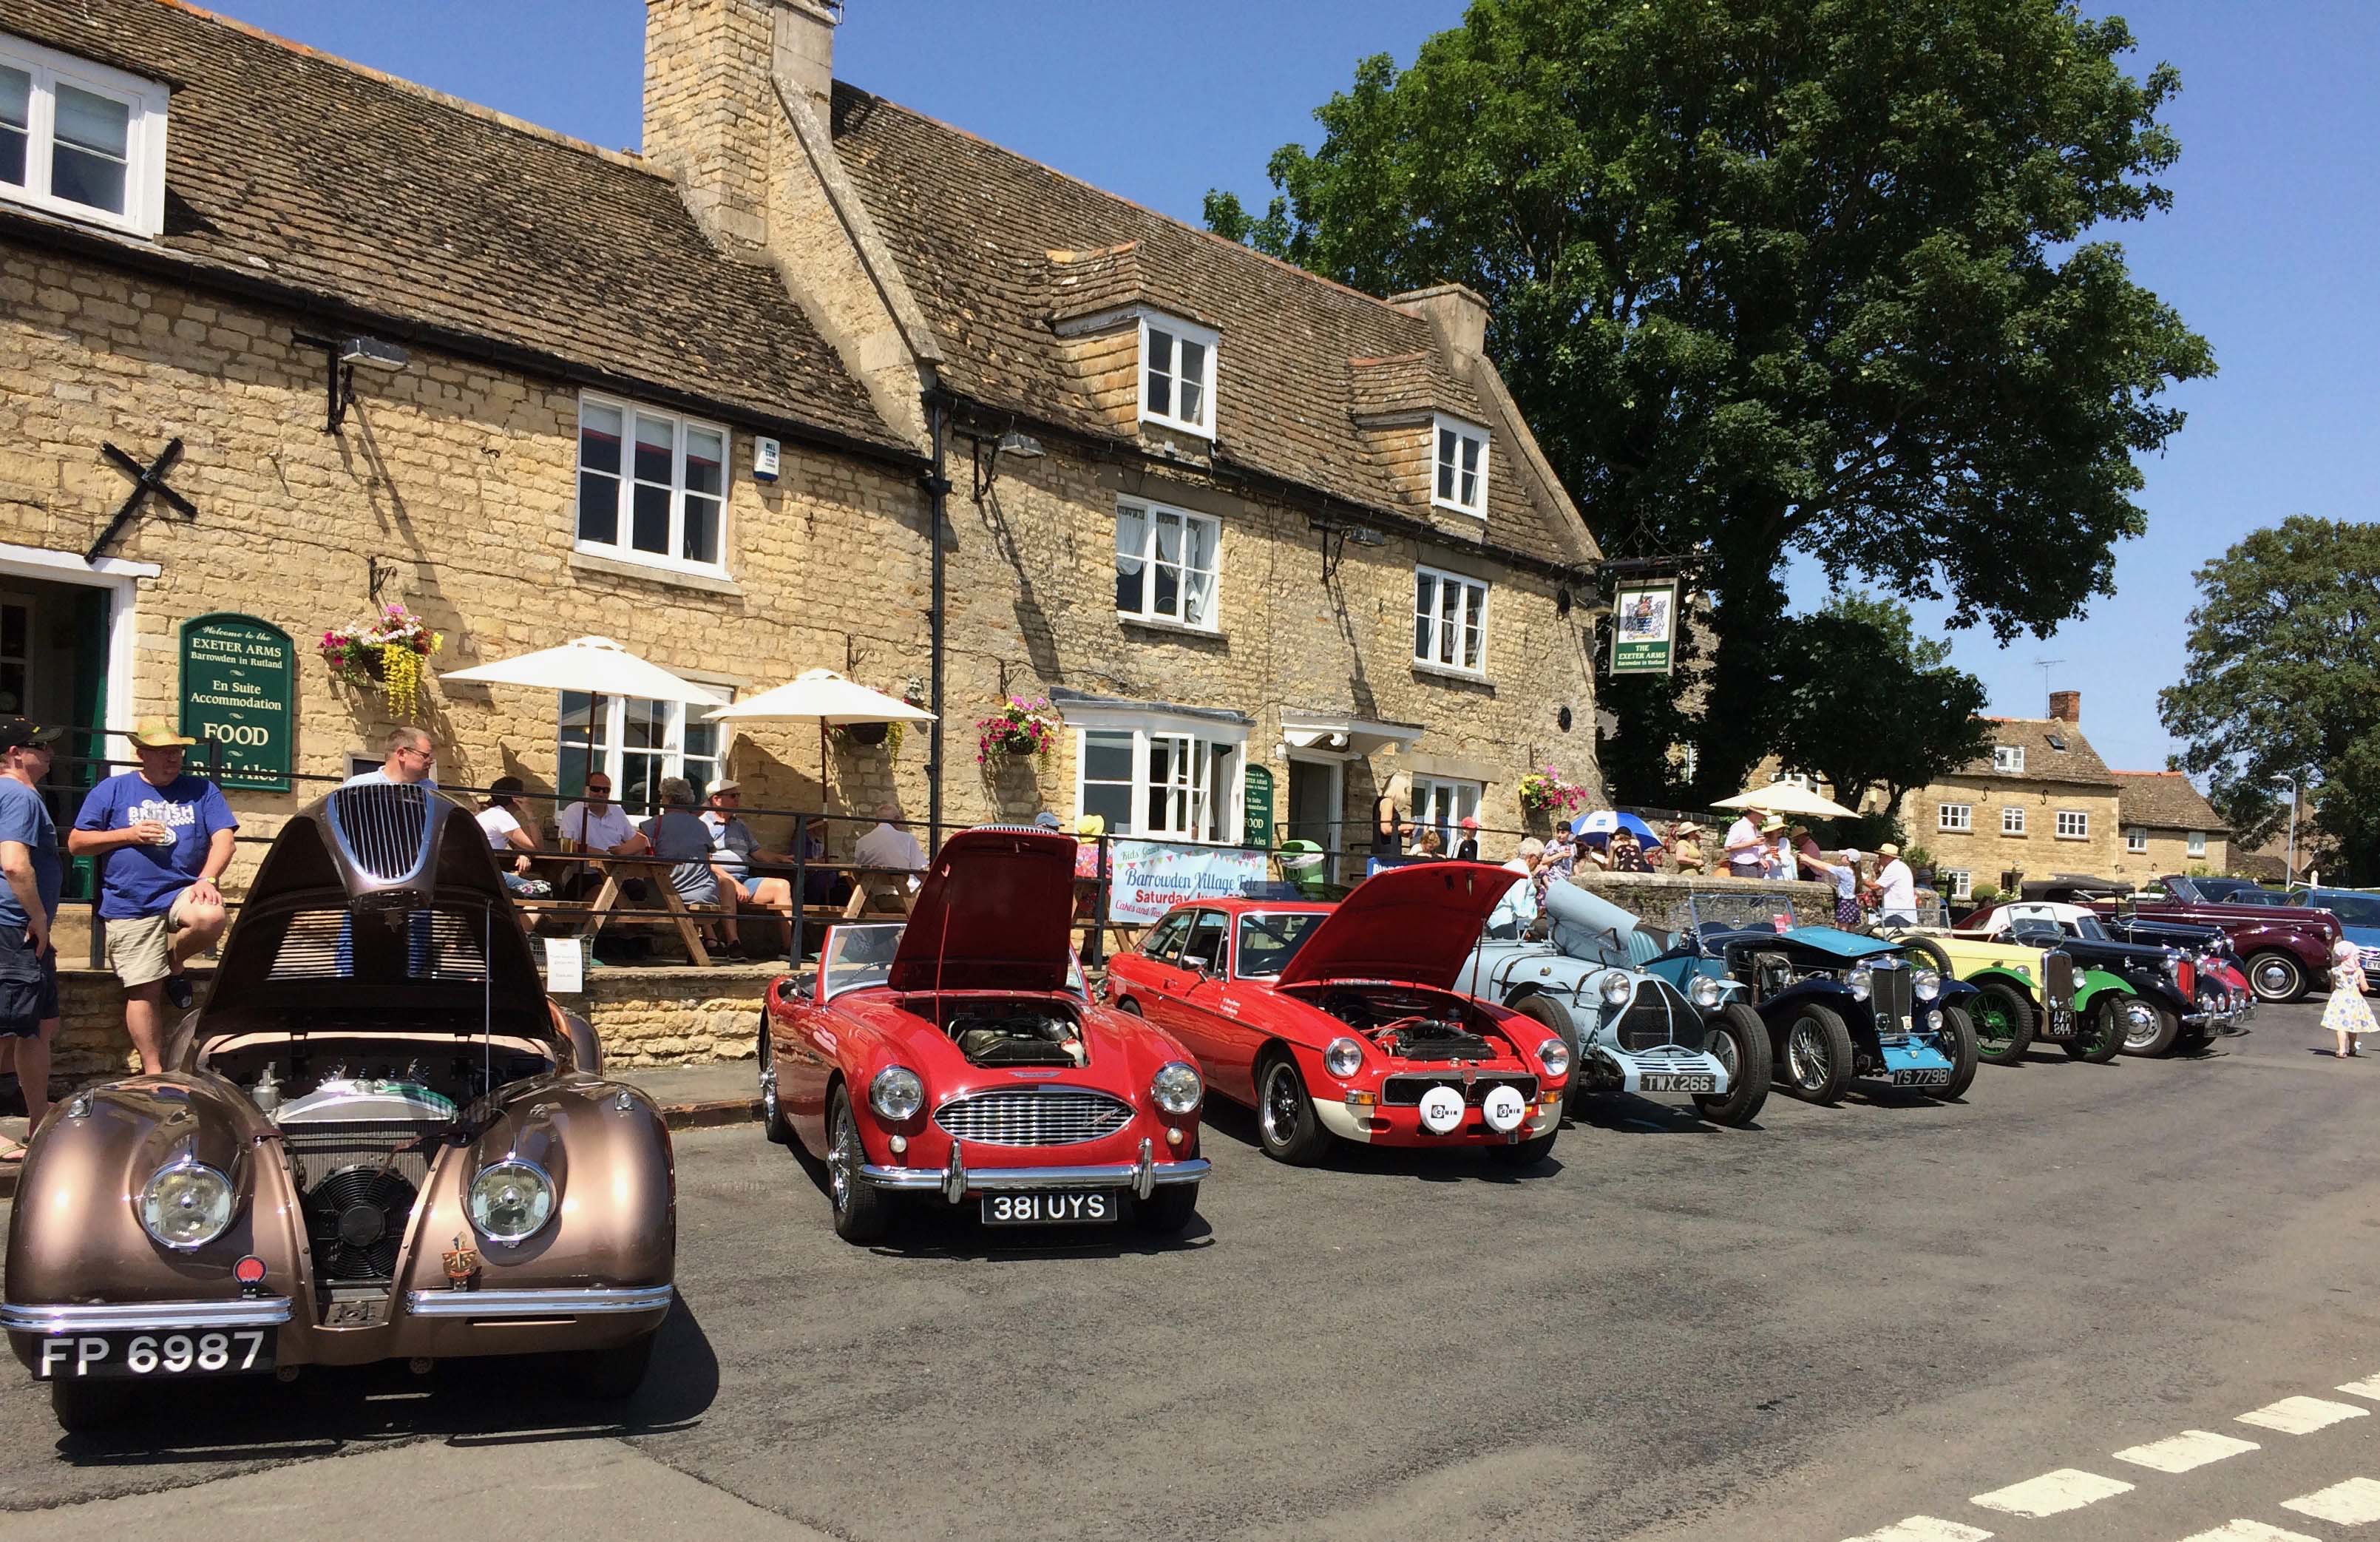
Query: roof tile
[[2164, 800]]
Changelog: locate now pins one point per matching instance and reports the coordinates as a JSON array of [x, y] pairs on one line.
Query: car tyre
[[1526, 1153], [1287, 1127], [1550, 1013], [1818, 1055], [773, 1123], [1168, 1211], [862, 1213], [1960, 1029], [1936, 958], [2149, 1028], [87, 1407], [1748, 1078], [1128, 1004], [2103, 1039], [612, 1374], [2275, 977], [2003, 1019]]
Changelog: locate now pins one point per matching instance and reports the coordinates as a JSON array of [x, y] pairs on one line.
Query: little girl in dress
[[2346, 1014]]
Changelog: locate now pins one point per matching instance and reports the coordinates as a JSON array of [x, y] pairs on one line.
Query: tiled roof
[[292, 167], [2043, 761], [974, 229], [2164, 800]]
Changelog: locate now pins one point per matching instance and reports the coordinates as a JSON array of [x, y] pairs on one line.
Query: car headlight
[[510, 1200], [1616, 989], [1704, 992], [897, 1094], [1176, 1087], [185, 1205], [1927, 983], [1554, 1055], [1343, 1058], [1862, 981]]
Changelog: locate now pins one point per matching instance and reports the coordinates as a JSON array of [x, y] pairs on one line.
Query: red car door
[[1149, 976], [1195, 1017]]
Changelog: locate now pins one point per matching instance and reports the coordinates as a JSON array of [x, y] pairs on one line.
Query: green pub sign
[[1257, 822], [1643, 628], [238, 674]]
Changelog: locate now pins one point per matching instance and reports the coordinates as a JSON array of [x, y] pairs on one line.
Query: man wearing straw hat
[[164, 838]]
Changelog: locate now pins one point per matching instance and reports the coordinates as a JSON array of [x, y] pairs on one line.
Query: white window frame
[[1954, 816], [1440, 426], [1150, 513], [2081, 818], [1198, 806], [2011, 818], [2194, 844], [144, 137], [1962, 882], [614, 752], [623, 547], [2136, 840], [1203, 424], [1429, 659], [2009, 757], [1439, 803]]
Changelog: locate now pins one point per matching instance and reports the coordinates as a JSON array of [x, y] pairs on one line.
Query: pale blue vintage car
[[1578, 969]]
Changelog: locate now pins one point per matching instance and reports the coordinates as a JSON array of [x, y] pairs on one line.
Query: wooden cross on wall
[[146, 480]]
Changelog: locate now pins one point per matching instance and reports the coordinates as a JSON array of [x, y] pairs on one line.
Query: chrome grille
[[1404, 1089], [1891, 993], [318, 1149], [1658, 1016], [2371, 960], [1034, 1116], [382, 824], [2058, 980]]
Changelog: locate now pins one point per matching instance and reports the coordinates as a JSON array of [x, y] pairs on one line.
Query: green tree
[[2283, 678], [1869, 704], [1783, 276]]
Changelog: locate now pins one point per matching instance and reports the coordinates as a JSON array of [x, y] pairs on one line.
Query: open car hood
[[996, 913], [1414, 924]]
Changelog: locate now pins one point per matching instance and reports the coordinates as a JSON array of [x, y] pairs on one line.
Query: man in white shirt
[[1899, 887], [1747, 856], [597, 824], [889, 844], [411, 757], [1519, 907]]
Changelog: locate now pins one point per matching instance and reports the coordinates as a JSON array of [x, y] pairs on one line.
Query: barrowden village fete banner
[[238, 673], [1644, 625], [1145, 879]]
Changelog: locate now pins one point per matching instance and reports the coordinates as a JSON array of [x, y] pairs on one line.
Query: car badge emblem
[[1470, 1076], [1035, 1075]]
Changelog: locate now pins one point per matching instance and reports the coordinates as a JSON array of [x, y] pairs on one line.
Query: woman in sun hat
[[2346, 1014]]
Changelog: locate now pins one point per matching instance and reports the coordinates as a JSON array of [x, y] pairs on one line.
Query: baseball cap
[[157, 734], [16, 734], [1470, 821], [1045, 821]]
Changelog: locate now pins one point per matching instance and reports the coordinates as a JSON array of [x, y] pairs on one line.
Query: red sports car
[[947, 1057], [1340, 1022]]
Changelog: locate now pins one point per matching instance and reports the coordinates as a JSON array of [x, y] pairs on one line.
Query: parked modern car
[[948, 1059], [2166, 998], [2025, 989], [1581, 975], [1838, 1004], [2285, 949], [379, 1139], [1340, 1022], [2359, 917]]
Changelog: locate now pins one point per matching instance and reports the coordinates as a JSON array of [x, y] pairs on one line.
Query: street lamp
[[2278, 779]]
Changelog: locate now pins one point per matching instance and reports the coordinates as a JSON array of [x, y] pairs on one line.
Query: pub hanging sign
[[237, 677], [1645, 627]]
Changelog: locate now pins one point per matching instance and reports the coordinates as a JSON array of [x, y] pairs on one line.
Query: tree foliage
[[2283, 678], [1867, 703], [1783, 276]]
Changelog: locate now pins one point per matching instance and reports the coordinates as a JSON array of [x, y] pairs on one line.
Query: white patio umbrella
[[1787, 797], [596, 667], [822, 697]]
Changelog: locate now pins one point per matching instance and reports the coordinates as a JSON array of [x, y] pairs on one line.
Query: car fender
[[1956, 993], [2092, 984], [2026, 984], [1777, 1009]]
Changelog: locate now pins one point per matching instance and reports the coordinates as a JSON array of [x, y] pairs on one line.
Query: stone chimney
[[2066, 707], [1457, 318]]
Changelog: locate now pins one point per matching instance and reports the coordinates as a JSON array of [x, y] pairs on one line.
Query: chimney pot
[[2067, 706], [1457, 318]]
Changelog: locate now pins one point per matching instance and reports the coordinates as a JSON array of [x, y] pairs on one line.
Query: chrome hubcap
[[1805, 1055], [1280, 1105], [1722, 1049], [842, 1161], [2140, 1024], [2273, 978]]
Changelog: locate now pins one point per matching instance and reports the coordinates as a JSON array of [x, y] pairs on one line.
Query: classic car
[[948, 1059], [379, 1139], [2358, 917], [1579, 972], [1340, 1022], [2026, 987], [2166, 998], [2286, 949], [1838, 1005]]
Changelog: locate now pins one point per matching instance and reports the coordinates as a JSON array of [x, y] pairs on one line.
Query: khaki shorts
[[140, 950]]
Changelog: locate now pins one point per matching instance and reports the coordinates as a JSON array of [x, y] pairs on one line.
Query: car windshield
[[856, 956], [2355, 910], [1740, 912], [1269, 940]]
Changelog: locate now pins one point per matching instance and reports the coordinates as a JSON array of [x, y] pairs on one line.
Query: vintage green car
[[2023, 991]]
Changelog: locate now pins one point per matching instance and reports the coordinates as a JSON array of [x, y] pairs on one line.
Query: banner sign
[[1645, 627], [1257, 822], [1145, 879], [237, 677]]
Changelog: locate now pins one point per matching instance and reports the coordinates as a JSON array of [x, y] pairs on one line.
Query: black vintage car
[[2178, 1002]]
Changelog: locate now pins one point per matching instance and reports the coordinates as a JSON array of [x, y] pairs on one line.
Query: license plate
[[1921, 1078], [1676, 1081], [194, 1352], [1057, 1208], [2061, 1026]]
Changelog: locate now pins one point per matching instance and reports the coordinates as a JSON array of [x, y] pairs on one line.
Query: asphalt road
[[1850, 1323]]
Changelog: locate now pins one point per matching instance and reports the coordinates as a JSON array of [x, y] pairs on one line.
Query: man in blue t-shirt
[[166, 838], [30, 876]]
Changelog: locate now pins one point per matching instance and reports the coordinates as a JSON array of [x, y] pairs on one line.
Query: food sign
[[237, 675], [1645, 627]]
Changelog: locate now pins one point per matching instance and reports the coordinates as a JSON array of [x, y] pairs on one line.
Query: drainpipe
[[938, 489]]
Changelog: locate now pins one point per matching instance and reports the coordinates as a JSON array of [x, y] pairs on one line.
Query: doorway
[[1317, 799], [54, 666]]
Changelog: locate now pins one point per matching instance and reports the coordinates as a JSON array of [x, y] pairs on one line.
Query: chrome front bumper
[[596, 1302], [956, 1181], [146, 1316]]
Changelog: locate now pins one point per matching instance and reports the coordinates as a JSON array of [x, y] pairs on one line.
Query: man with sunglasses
[[597, 824], [411, 757]]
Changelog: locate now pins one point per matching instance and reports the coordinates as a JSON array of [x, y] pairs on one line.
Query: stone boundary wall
[[1660, 898]]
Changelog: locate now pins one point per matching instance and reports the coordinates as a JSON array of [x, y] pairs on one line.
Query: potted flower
[[1022, 728], [1545, 792], [383, 654]]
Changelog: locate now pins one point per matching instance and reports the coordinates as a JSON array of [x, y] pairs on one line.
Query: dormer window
[[81, 139], [1177, 375], [2007, 758], [1460, 479]]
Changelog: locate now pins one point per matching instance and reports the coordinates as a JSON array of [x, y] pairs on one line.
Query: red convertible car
[[1340, 1022], [947, 1058]]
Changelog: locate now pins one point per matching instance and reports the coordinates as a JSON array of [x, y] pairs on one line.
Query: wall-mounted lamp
[[343, 358], [1017, 446], [1335, 536]]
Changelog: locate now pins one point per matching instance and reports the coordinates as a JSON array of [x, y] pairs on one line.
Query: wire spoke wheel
[[1805, 1055]]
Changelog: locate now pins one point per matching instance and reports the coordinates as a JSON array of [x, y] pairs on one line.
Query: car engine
[[1016, 1034], [1422, 1032]]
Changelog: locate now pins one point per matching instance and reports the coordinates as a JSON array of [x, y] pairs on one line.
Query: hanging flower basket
[[1545, 792], [385, 654], [1023, 728]]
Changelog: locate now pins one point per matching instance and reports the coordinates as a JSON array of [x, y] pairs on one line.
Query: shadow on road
[[329, 1410], [1445, 1165], [1629, 1114]]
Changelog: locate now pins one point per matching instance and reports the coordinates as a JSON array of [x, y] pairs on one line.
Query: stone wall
[[1660, 899], [2169, 853], [1985, 853]]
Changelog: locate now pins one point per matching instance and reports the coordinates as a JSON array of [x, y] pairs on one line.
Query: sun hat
[[730, 785], [1689, 828], [157, 734], [1888, 849], [1091, 825], [1771, 825]]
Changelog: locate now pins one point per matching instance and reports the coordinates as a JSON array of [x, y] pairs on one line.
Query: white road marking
[[2353, 1503], [2248, 1530], [2179, 1453], [2367, 1388], [1923, 1528], [2302, 1415], [2052, 1493]]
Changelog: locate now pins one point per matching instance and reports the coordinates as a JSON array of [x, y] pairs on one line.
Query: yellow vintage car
[[2023, 992]]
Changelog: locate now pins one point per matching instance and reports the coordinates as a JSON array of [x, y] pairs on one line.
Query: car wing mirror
[[1199, 965]]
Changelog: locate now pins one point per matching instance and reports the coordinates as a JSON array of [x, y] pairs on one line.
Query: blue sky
[[2267, 252]]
